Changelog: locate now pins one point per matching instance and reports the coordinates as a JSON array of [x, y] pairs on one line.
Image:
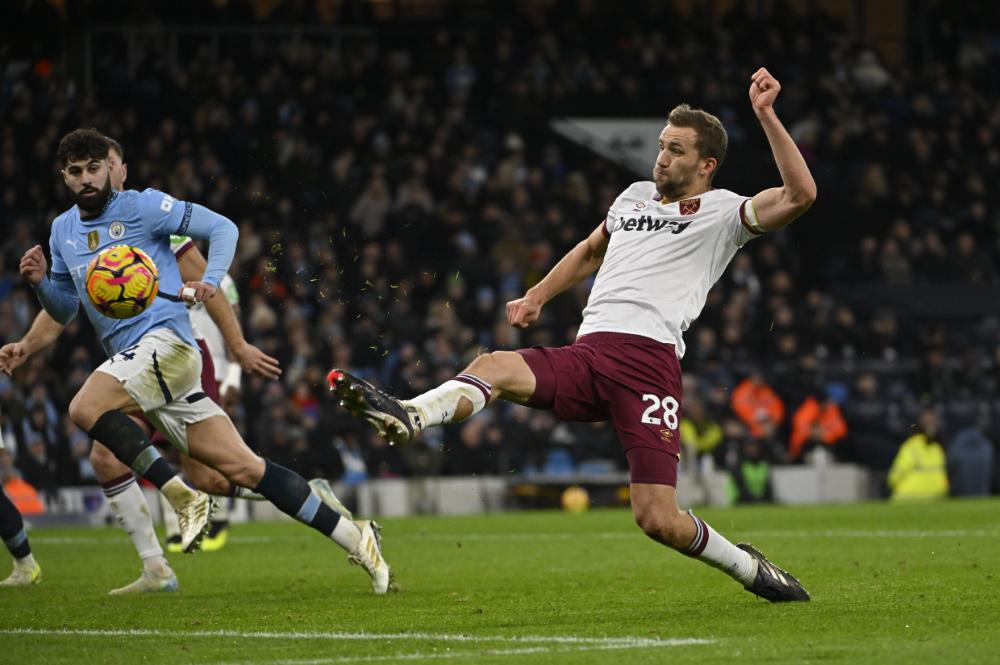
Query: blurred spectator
[[875, 424], [700, 433], [752, 475], [757, 405], [919, 470], [970, 462], [816, 424]]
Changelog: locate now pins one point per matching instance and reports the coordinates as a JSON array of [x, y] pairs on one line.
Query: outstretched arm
[[579, 262], [192, 265], [778, 207], [43, 333]]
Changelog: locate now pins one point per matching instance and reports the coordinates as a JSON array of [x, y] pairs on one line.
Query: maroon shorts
[[633, 381], [208, 383]]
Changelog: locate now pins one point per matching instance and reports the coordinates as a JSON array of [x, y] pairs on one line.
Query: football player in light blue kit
[[154, 365]]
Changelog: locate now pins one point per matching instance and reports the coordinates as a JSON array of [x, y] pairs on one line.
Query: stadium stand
[[395, 189]]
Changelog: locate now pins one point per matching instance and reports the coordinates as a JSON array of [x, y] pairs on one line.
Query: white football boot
[[148, 582], [326, 494], [368, 555], [23, 575], [193, 518]]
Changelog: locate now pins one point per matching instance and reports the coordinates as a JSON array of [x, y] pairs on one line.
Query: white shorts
[[163, 375]]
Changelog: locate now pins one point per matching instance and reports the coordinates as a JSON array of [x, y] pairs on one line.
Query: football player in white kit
[[662, 246]]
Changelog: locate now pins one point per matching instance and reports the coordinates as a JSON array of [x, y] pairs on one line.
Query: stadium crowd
[[394, 190]]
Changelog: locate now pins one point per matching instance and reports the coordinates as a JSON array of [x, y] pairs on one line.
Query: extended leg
[[215, 442], [655, 510], [501, 374]]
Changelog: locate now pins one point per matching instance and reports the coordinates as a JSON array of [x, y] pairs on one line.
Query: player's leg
[[211, 481], [655, 510], [641, 381], [143, 378], [654, 507], [26, 569], [212, 439], [500, 374], [128, 505]]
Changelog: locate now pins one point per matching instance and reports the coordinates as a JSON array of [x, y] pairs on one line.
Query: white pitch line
[[600, 535], [878, 533], [443, 655], [596, 642]]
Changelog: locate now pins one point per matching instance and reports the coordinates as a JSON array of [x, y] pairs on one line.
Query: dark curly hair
[[82, 144]]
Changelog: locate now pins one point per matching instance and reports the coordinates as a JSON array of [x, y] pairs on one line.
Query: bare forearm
[[571, 269], [222, 314], [795, 176], [43, 333]]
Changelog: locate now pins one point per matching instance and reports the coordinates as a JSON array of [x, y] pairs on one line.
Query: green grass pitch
[[890, 584]]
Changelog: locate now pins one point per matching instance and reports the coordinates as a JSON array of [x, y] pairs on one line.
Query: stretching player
[[662, 247], [153, 363]]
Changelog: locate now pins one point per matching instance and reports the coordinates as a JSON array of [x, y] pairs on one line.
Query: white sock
[[171, 525], [27, 561], [346, 534], [713, 548], [221, 512], [178, 493], [129, 507], [247, 493], [438, 406]]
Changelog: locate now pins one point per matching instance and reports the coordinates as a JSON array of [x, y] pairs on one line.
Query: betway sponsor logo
[[647, 223]]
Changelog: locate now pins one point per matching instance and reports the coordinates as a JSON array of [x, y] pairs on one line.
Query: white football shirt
[[662, 259], [202, 323]]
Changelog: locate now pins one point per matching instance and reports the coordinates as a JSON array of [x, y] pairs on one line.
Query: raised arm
[[43, 333], [778, 207], [579, 262]]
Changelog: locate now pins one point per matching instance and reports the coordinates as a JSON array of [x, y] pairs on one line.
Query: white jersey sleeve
[[207, 330], [180, 244], [662, 259]]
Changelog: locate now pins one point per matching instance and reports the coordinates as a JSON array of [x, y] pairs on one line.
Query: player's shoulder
[[65, 217], [721, 201], [641, 190], [152, 200], [724, 197]]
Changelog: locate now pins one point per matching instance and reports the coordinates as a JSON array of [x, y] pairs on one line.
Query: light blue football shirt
[[141, 219]]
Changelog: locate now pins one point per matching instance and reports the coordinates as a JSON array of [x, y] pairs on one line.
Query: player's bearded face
[[677, 163], [676, 181], [90, 186]]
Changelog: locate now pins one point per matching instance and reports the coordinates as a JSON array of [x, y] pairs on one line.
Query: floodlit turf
[[890, 584]]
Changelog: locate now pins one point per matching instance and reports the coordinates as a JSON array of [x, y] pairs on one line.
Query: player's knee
[[246, 473], [485, 366], [106, 466], [211, 482], [661, 526], [497, 368], [81, 412]]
